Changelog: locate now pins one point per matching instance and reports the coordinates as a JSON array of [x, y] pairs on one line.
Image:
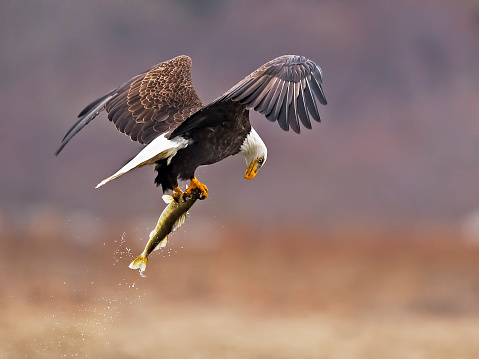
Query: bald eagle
[[160, 109]]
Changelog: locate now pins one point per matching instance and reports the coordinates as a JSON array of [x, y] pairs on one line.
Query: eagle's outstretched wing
[[283, 90], [148, 105]]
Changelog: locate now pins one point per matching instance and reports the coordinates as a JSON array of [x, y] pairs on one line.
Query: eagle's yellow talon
[[197, 184]]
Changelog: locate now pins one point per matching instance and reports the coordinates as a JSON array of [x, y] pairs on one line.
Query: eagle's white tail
[[158, 149]]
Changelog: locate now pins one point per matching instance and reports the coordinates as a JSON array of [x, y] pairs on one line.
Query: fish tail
[[140, 263]]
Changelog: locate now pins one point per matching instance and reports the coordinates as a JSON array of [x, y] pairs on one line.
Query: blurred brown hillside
[[398, 141]]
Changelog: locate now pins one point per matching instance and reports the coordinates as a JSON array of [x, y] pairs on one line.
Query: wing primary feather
[[316, 86], [292, 120], [289, 94], [279, 101], [293, 113], [289, 107], [83, 121], [283, 115], [286, 104], [271, 100], [302, 111], [310, 102], [270, 117], [316, 71], [93, 104]]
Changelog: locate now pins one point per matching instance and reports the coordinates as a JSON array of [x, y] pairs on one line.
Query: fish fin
[[179, 222], [140, 263], [161, 244], [167, 198], [159, 148]]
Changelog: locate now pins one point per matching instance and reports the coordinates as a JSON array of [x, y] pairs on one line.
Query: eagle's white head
[[255, 153]]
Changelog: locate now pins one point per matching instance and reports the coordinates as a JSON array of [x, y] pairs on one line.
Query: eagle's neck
[[253, 147]]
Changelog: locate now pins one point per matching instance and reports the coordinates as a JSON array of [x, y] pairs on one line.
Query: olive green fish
[[172, 217]]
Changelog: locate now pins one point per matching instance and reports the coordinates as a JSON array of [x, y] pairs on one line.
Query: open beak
[[252, 170]]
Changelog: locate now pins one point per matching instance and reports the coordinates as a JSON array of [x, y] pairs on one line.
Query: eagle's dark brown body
[[213, 144]]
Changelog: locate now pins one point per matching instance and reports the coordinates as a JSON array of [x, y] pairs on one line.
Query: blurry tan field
[[292, 294]]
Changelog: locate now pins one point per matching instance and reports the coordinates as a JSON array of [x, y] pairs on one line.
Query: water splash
[[121, 251]]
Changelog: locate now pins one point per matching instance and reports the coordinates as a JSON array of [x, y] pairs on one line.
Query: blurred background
[[358, 239]]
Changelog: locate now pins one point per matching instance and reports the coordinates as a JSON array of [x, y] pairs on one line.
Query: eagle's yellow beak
[[252, 170]]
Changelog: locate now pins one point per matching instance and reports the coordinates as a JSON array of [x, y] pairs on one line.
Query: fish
[[172, 217]]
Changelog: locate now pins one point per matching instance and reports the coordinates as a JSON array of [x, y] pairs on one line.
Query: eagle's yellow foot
[[177, 193], [197, 184]]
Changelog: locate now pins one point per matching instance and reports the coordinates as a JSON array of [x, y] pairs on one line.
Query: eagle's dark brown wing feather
[[156, 102], [150, 104], [283, 90]]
